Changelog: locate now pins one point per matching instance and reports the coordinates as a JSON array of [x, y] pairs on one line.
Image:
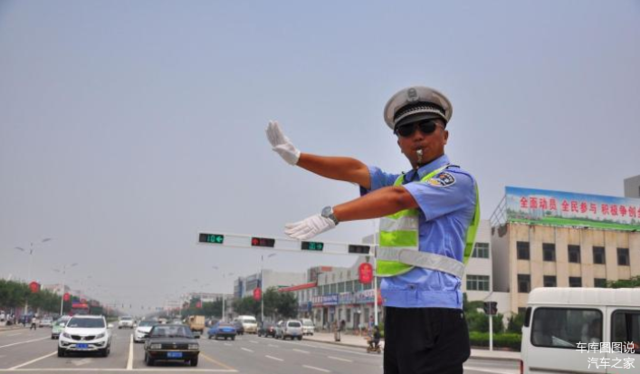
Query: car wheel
[[194, 361], [209, 337], [53, 337], [148, 360], [299, 337], [233, 338], [61, 352]]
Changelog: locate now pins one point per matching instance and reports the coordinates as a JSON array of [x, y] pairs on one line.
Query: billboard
[[557, 208]]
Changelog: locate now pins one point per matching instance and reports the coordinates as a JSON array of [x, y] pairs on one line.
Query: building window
[[550, 281], [574, 254], [598, 255], [623, 256], [477, 283], [334, 288], [575, 282], [523, 250], [481, 250], [524, 283], [341, 287], [600, 283], [549, 252]]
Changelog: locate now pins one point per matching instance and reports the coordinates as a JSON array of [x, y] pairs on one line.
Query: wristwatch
[[327, 212]]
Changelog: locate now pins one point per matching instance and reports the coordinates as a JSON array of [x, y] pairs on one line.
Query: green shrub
[[504, 340]]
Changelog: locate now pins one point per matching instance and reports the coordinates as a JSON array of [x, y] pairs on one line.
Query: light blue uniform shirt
[[445, 212]]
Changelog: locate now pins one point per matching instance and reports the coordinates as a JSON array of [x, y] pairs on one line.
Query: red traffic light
[[34, 287], [257, 294], [66, 296]]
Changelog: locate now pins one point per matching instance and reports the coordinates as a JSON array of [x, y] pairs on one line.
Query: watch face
[[326, 211]]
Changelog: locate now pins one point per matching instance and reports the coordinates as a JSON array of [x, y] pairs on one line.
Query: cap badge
[[412, 95]]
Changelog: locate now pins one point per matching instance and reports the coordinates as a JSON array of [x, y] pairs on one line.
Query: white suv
[[85, 334], [125, 321]]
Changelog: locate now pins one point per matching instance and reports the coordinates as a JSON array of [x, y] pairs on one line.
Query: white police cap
[[416, 103]]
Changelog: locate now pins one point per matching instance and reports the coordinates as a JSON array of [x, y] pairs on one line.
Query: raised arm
[[338, 168]]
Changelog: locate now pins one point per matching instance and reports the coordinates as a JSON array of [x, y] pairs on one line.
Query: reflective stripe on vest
[[399, 253]]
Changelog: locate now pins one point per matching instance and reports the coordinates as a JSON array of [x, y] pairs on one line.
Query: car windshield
[[125, 318], [146, 323], [170, 331], [225, 324], [294, 324], [86, 323], [308, 323]]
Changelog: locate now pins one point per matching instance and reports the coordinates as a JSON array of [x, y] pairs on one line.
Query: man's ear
[[446, 136]]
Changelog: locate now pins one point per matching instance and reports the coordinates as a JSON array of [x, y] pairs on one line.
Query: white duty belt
[[411, 256]]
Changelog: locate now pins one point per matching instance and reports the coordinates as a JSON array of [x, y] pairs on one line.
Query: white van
[[249, 324], [581, 330]]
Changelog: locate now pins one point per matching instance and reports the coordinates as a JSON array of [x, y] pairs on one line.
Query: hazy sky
[[128, 127]]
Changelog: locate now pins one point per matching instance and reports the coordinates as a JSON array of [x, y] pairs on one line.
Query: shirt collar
[[439, 162]]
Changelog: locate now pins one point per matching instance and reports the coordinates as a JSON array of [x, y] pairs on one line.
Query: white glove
[[281, 144], [308, 228]]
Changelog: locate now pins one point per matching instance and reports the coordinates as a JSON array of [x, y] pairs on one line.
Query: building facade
[[558, 239]]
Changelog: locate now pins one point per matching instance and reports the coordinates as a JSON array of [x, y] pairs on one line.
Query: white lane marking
[[32, 361], [246, 349], [301, 351], [485, 370], [253, 341], [274, 346], [273, 358], [228, 345], [339, 359], [130, 359], [315, 368], [24, 342], [15, 334]]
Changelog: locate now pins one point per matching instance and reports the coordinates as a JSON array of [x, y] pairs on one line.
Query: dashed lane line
[[315, 368], [32, 361], [246, 349], [274, 358], [339, 359], [274, 346], [301, 351], [24, 342]]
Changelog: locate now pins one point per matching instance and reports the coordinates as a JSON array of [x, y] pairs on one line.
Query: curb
[[509, 359]]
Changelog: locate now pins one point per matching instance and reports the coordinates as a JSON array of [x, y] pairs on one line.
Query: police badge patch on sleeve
[[443, 179]]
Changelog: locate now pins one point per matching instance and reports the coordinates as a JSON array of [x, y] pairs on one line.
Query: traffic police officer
[[428, 220]]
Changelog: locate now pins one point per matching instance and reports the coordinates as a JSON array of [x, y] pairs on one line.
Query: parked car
[[239, 327], [125, 322], [142, 330], [291, 328], [58, 326], [308, 328], [267, 329], [222, 330], [84, 333], [171, 343], [46, 322]]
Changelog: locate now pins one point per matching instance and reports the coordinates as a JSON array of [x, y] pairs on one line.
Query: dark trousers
[[425, 341]]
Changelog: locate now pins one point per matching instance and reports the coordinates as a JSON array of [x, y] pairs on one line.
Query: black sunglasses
[[426, 127]]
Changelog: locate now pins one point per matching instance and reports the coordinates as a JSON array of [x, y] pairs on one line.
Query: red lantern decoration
[[66, 296], [199, 304], [257, 294], [365, 272], [34, 287]]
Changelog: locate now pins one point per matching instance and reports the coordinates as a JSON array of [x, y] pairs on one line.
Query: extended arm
[[338, 168]]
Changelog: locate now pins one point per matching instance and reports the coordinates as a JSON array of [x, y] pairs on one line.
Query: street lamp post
[[26, 303], [64, 273], [223, 277], [262, 286]]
